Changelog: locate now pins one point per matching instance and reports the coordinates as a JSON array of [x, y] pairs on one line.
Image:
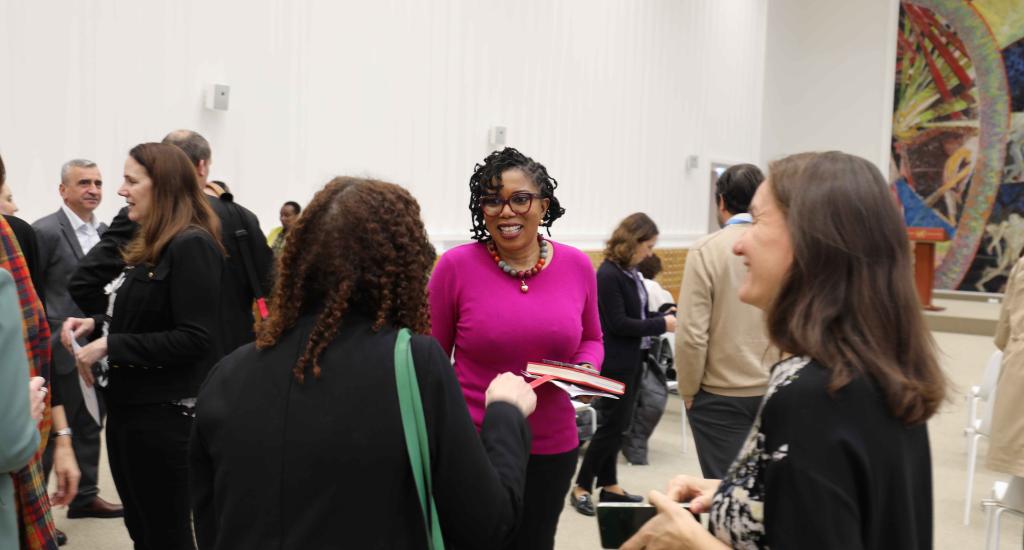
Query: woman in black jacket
[[298, 441], [628, 328], [157, 341]]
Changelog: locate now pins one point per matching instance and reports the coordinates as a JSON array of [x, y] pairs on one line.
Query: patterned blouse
[[826, 470]]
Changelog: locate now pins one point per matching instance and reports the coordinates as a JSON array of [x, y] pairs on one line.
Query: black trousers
[[85, 438], [615, 415], [148, 450], [720, 426], [547, 483]]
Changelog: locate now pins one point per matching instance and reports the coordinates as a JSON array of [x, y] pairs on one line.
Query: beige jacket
[[721, 345], [1006, 445]]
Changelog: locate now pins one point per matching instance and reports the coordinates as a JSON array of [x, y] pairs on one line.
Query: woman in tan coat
[[1006, 445]]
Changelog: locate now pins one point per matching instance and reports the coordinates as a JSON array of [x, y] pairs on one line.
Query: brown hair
[[176, 203], [359, 244], [848, 300], [632, 231]]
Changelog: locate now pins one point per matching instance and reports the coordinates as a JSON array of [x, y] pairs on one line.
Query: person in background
[[7, 205], [316, 394], [249, 259], [652, 395], [722, 348], [20, 413], [628, 326], [838, 455], [157, 341], [1006, 439], [513, 297], [63, 237], [289, 213], [35, 521]]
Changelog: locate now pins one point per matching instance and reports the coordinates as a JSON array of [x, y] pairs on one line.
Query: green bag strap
[[415, 428]]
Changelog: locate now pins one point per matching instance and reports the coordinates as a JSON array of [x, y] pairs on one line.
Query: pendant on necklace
[[523, 286]]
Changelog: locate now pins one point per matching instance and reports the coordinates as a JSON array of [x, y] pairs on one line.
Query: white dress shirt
[[87, 231]]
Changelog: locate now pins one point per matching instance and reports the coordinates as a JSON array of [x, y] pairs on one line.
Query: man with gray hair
[[64, 237]]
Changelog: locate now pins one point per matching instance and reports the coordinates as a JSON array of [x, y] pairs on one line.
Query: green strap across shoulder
[[415, 428]]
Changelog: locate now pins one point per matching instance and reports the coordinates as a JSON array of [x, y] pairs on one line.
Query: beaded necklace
[[521, 275]]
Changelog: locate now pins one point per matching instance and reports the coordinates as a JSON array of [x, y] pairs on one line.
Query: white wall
[[829, 76], [611, 95]]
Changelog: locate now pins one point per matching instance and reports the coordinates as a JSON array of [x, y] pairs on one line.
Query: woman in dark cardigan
[[628, 327], [157, 341], [298, 440]]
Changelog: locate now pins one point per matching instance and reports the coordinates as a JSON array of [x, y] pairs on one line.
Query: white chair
[[673, 387], [979, 422], [1006, 497]]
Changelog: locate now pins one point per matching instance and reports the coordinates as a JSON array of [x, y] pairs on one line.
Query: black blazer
[[274, 463], [164, 331], [619, 305]]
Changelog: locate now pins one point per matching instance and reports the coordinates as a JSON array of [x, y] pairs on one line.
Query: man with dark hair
[[63, 238], [248, 265], [722, 350]]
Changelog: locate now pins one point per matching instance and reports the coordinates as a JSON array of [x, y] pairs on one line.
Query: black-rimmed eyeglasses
[[520, 203]]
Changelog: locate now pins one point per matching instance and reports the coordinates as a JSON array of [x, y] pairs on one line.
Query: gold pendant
[[523, 287]]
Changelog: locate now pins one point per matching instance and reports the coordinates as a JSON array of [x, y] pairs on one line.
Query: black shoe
[[608, 496], [62, 539], [582, 504]]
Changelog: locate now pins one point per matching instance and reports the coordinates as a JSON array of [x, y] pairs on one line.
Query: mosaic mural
[[958, 134]]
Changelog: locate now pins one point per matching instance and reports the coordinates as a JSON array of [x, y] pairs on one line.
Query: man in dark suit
[[63, 238], [241, 236]]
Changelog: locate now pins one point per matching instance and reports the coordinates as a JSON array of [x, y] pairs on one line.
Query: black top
[[618, 301], [26, 237], [104, 262], [237, 297], [826, 471], [164, 331], [277, 464]]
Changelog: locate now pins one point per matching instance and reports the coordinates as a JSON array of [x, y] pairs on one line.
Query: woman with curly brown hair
[[512, 297], [299, 439]]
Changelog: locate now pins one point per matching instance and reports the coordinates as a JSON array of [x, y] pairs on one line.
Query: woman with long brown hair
[[838, 456], [158, 340], [299, 437]]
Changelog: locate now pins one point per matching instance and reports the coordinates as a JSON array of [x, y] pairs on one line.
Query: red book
[[580, 376]]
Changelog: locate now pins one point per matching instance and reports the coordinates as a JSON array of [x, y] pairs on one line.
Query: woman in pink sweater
[[513, 297]]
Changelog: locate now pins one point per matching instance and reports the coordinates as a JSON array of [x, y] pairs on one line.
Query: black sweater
[[322, 464], [618, 300]]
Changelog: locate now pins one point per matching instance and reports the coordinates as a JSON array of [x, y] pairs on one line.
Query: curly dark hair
[[359, 245], [486, 180]]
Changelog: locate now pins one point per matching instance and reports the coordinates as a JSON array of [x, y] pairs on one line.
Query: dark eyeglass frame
[[498, 207]]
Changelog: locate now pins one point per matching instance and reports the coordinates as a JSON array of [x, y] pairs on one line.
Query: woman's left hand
[[88, 355], [673, 528]]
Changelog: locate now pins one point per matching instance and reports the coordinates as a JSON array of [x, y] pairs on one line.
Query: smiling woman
[[512, 297]]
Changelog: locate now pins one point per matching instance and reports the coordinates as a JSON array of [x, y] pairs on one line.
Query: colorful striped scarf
[[35, 524]]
